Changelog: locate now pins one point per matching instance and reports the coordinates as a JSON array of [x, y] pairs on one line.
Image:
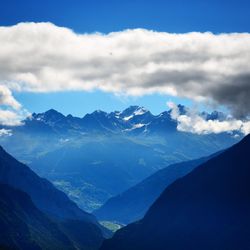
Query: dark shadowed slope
[[44, 195], [23, 226], [208, 209], [79, 226], [132, 204]]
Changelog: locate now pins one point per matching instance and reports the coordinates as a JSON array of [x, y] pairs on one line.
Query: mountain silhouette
[[207, 209], [23, 226], [81, 228], [133, 204]]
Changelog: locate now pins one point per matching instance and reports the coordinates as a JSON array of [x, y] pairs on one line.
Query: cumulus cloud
[[12, 118], [11, 111], [195, 123], [7, 99], [42, 57]]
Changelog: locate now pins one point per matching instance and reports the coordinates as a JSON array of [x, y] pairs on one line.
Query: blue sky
[[108, 16], [114, 15]]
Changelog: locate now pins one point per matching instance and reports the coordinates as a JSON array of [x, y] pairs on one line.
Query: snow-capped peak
[[136, 111], [140, 111]]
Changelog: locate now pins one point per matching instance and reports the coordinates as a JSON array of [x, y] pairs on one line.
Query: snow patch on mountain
[[140, 111], [127, 118]]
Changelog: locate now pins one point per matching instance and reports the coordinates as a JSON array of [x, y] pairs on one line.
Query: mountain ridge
[[10, 173], [23, 226], [207, 209], [81, 228], [134, 119], [132, 204]]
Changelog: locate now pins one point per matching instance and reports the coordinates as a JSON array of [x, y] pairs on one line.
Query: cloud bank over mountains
[[194, 122], [42, 57]]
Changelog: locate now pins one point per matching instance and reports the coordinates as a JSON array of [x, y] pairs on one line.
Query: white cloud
[[195, 123], [5, 132], [174, 110], [13, 117], [7, 99], [201, 66], [11, 111], [246, 127]]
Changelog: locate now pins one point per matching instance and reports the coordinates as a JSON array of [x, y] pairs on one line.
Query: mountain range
[[207, 209], [133, 120], [87, 157]]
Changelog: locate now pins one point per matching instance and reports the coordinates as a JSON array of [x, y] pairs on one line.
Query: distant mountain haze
[[88, 159]]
